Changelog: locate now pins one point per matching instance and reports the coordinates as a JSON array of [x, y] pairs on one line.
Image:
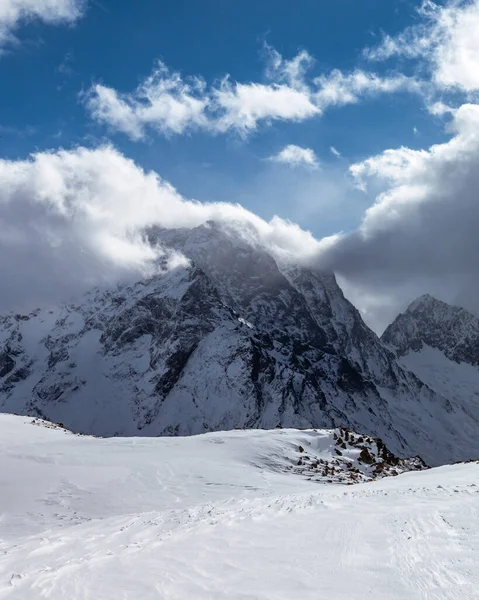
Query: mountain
[[429, 322], [440, 344], [236, 338], [229, 515]]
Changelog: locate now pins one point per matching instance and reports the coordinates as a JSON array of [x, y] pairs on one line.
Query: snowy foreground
[[224, 515]]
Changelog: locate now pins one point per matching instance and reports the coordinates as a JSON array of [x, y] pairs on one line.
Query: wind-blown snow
[[220, 516]]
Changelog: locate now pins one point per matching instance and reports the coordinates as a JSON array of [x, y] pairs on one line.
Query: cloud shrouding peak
[[168, 103], [74, 219], [296, 156], [445, 38], [14, 12]]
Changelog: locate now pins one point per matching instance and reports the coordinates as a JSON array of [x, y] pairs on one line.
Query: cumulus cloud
[[286, 97], [296, 156], [73, 219], [163, 101], [420, 234], [167, 103], [446, 38], [15, 12], [241, 106]]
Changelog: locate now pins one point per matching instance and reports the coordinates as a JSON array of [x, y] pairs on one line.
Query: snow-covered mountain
[[228, 515], [429, 322], [238, 338], [440, 344]]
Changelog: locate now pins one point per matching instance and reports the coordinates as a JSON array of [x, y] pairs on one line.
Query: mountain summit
[[440, 344], [450, 329]]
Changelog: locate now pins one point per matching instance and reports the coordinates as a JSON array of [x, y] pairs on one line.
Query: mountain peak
[[430, 322], [423, 301]]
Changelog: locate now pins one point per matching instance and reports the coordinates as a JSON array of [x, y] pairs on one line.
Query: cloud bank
[[420, 235]]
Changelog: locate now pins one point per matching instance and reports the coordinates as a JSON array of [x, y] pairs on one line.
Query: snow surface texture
[[224, 515], [236, 339]]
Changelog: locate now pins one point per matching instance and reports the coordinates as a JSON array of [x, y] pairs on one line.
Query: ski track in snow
[[210, 518]]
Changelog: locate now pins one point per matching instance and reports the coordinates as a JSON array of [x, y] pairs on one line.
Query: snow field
[[222, 516]]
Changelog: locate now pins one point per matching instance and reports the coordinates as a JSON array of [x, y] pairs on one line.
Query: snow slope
[[457, 381], [221, 516]]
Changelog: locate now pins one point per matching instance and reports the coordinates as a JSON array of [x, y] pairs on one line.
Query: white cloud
[[335, 152], [73, 219], [242, 106], [446, 38], [292, 72], [420, 234], [297, 156], [169, 104], [166, 103], [163, 101], [106, 106], [439, 109], [338, 89], [15, 12], [414, 41], [456, 56]]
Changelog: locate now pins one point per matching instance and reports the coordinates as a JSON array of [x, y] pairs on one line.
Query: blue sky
[[118, 44], [357, 120]]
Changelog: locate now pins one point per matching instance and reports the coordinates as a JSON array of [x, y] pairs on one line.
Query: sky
[[346, 133]]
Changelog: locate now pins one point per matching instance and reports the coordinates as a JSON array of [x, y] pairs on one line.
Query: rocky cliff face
[[234, 339]]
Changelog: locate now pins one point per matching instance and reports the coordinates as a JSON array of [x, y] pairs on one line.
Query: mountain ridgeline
[[237, 339]]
